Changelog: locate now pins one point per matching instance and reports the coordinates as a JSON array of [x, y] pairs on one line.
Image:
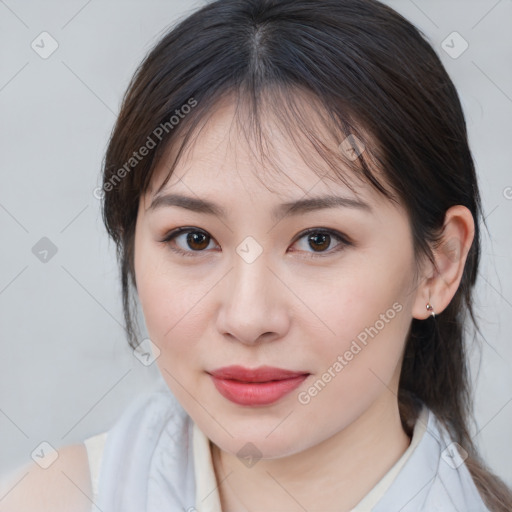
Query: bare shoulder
[[64, 486]]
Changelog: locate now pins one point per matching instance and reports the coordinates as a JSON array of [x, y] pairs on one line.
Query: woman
[[294, 203]]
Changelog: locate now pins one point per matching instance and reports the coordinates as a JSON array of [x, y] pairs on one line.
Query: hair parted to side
[[369, 73]]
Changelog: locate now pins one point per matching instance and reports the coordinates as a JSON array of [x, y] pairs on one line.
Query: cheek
[[172, 311], [173, 305], [362, 304], [368, 315], [351, 373]]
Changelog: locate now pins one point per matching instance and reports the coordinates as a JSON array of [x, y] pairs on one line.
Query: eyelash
[[322, 254]]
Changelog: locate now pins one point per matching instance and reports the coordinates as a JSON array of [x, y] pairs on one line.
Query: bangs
[[348, 153]]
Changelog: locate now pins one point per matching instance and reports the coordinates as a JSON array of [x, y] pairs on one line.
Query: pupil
[[322, 237]]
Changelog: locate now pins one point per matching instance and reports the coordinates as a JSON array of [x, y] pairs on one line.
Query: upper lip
[[261, 374]]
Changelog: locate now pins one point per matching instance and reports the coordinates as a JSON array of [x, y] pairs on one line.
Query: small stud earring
[[431, 309]]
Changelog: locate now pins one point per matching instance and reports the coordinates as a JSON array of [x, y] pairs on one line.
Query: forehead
[[225, 152]]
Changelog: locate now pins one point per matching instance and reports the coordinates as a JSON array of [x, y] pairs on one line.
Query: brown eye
[[187, 241], [197, 240], [319, 241], [316, 242]]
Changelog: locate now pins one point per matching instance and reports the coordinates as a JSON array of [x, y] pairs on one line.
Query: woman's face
[[245, 285]]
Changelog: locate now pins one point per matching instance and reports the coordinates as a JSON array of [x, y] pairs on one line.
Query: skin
[[64, 486], [290, 310], [285, 309]]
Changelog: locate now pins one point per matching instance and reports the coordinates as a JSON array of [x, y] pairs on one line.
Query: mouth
[[260, 386]]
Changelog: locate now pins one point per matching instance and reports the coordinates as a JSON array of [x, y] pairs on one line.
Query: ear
[[440, 284]]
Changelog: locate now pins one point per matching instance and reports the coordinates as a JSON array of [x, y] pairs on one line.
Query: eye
[[191, 238], [320, 240], [189, 241]]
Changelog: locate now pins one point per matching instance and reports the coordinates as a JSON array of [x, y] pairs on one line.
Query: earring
[[431, 309]]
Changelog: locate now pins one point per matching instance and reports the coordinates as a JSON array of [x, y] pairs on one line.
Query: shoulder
[[64, 486], [147, 455], [452, 486], [435, 477]]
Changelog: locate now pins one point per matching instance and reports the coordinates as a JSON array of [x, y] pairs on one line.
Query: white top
[[207, 493], [155, 458], [94, 446]]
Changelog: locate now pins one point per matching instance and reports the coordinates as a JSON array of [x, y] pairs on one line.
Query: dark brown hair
[[369, 73]]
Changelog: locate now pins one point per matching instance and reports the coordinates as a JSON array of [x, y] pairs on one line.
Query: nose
[[254, 306]]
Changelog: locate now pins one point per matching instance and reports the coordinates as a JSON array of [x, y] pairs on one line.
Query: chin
[[257, 439]]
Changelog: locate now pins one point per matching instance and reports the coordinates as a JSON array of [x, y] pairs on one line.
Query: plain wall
[[66, 370]]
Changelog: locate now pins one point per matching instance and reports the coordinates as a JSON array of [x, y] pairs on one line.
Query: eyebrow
[[291, 208]]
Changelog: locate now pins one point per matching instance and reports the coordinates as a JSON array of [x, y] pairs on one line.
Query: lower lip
[[256, 393]]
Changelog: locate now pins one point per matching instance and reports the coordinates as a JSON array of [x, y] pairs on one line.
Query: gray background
[[66, 371]]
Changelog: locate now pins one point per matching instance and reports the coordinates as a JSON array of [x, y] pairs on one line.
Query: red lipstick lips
[[260, 386]]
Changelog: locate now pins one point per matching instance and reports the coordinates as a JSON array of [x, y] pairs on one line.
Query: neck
[[333, 475]]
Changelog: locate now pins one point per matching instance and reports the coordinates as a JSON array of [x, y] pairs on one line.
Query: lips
[[260, 386]]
